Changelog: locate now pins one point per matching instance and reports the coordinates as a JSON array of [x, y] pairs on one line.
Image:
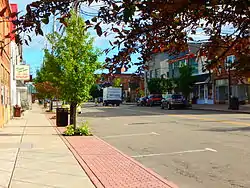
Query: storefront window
[[210, 92], [201, 92]]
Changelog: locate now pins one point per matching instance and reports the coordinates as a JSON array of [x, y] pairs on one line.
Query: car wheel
[[169, 106], [117, 104]]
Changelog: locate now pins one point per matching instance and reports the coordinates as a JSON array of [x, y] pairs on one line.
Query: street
[[191, 148]]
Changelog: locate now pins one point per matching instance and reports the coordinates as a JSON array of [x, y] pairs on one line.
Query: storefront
[[203, 90]]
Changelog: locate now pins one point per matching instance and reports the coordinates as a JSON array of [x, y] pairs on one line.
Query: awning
[[22, 88], [202, 79]]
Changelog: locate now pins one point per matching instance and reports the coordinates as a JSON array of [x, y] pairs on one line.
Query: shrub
[[82, 130], [69, 130]]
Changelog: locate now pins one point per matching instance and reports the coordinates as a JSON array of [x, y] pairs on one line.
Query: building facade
[[240, 86], [130, 84], [5, 65], [169, 65], [16, 58]]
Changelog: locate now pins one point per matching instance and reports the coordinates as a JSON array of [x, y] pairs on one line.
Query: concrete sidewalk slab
[[35, 156]]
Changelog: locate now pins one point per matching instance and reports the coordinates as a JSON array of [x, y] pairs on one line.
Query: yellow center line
[[210, 119]]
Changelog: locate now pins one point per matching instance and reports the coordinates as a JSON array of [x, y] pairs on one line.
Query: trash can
[[17, 111], [234, 103], [62, 118]]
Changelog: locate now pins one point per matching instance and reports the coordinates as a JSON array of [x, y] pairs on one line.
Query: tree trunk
[[51, 105], [73, 107], [71, 114], [44, 103]]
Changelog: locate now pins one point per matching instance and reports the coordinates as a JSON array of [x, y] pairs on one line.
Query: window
[[201, 92], [156, 73], [194, 65], [151, 74], [210, 91]]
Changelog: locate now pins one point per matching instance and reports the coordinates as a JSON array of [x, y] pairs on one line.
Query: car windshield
[[177, 97]]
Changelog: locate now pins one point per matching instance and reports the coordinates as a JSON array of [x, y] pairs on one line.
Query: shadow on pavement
[[100, 111], [228, 129]]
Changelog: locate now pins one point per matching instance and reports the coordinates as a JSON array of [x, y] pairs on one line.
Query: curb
[[221, 110], [78, 158]]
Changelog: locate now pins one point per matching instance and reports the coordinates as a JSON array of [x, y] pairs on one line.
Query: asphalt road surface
[[193, 149]]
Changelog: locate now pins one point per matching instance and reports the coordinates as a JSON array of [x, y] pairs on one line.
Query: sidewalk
[[222, 108], [34, 156], [109, 168]]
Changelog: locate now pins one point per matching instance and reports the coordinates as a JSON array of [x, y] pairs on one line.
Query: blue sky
[[33, 54]]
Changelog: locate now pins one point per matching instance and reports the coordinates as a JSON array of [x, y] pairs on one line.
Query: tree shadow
[[228, 129]]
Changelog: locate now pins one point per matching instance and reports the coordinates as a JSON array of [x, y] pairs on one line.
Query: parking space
[[190, 148]]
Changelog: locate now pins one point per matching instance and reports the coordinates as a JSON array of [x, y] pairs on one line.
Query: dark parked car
[[174, 101], [141, 101], [154, 99], [99, 99]]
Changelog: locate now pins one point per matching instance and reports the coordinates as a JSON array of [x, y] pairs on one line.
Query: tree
[[117, 82], [49, 77], [95, 91], [147, 27], [185, 81], [156, 86], [169, 84], [76, 59]]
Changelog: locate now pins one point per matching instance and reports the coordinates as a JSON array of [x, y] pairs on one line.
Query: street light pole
[[229, 85]]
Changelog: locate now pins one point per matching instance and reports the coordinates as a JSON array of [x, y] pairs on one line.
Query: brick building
[[4, 64], [130, 84]]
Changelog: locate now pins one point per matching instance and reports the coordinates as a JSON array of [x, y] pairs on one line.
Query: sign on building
[[22, 72]]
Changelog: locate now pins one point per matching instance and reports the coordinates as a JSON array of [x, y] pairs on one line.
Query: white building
[[157, 67]]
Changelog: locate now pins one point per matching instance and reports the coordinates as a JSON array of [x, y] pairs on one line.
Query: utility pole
[[76, 5]]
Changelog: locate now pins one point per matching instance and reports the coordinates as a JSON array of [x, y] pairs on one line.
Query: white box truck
[[112, 95]]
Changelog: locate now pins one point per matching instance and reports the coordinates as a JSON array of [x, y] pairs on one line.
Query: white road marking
[[107, 119], [174, 153], [127, 135]]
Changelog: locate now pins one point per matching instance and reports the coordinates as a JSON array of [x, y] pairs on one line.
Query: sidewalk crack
[[17, 154]]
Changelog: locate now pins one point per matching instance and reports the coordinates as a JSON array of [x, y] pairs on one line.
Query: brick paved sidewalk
[[108, 167]]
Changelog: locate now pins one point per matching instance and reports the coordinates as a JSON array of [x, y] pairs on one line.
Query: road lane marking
[[176, 153], [128, 135]]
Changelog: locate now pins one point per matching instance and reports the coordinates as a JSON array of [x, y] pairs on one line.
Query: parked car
[[141, 101], [154, 99], [174, 101], [99, 99]]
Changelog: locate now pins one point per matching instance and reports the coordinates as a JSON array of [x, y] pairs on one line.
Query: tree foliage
[[147, 27], [95, 91], [186, 81], [74, 62], [117, 82]]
